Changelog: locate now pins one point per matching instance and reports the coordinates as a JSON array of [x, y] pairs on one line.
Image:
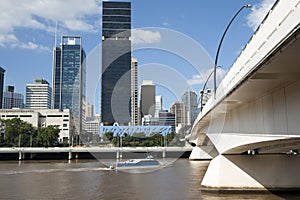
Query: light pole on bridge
[[220, 44]]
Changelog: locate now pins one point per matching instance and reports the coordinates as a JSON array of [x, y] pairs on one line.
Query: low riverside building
[[43, 118]]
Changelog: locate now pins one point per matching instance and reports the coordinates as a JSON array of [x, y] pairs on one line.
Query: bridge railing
[[282, 21]]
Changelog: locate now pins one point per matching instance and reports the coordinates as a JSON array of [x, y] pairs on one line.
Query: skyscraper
[[134, 93], [189, 99], [11, 99], [147, 100], [69, 78], [1, 85], [158, 105], [89, 110], [38, 95], [167, 119], [116, 63], [178, 109]]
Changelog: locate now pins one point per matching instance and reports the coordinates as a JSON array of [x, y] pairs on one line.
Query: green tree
[[48, 136], [109, 135], [18, 133]]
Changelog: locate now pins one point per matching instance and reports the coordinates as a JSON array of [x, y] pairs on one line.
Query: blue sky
[[27, 30]]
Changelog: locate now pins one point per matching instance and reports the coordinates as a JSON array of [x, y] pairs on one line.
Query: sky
[[175, 42]]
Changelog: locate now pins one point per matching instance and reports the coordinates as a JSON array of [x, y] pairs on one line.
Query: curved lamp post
[[217, 55]]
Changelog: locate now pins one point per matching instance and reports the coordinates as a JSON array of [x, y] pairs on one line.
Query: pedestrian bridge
[[251, 127]]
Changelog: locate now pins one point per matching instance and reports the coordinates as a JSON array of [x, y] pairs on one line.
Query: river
[[88, 179]]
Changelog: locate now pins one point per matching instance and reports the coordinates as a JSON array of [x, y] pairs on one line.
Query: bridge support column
[[70, 155], [20, 155], [164, 153], [118, 154], [277, 172], [199, 154]]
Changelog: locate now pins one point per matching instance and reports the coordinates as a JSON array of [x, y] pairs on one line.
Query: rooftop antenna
[[55, 35]]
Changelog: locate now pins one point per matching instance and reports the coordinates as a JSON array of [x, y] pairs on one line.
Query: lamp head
[[248, 6]]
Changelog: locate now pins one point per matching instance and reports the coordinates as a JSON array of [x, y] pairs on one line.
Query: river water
[[88, 179]]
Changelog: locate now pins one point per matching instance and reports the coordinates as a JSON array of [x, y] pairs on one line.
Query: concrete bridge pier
[[70, 155], [273, 172], [118, 154], [20, 155]]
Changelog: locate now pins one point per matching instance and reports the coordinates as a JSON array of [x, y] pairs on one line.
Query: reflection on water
[[89, 179]]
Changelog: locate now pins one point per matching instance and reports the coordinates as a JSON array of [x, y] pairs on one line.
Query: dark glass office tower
[[69, 73], [1, 85], [116, 63]]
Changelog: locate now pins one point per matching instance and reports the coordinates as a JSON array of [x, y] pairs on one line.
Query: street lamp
[[217, 55]]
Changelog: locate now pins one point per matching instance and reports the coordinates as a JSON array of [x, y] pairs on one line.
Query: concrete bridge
[[251, 128], [75, 151]]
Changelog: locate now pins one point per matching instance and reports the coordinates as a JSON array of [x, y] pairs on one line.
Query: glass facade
[[11, 99], [189, 99], [69, 77], [134, 93], [1, 85], [116, 63]]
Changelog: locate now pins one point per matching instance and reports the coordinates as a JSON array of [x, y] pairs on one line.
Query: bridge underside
[[255, 127]]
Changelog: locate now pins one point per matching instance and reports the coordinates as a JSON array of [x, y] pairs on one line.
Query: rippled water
[[89, 179]]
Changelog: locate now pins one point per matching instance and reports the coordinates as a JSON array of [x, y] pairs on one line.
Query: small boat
[[148, 162]]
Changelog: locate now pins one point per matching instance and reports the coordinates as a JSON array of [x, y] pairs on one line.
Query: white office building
[[43, 118], [38, 95]]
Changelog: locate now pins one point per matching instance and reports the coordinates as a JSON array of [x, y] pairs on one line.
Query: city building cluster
[[122, 102]]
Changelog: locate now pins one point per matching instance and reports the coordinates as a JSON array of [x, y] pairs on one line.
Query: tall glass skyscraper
[[1, 85], [11, 99], [69, 73], [134, 93], [189, 99], [116, 63]]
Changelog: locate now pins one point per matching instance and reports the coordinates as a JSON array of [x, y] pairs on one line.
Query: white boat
[[148, 162]]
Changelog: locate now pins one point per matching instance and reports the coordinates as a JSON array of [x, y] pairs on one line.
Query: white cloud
[[165, 24], [42, 15], [12, 41], [258, 13], [198, 79], [140, 36]]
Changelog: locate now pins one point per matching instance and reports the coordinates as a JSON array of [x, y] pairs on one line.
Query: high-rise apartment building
[[11, 99], [116, 63], [1, 85], [167, 119], [189, 99], [158, 105], [178, 108], [134, 93], [147, 100], [38, 95], [69, 73], [89, 112]]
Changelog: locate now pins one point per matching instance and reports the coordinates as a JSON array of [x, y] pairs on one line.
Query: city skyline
[[36, 40]]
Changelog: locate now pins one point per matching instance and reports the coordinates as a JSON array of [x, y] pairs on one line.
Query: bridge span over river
[[97, 152], [251, 127]]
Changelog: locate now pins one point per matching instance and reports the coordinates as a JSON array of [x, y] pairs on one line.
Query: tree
[[18, 133], [109, 135], [48, 136]]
